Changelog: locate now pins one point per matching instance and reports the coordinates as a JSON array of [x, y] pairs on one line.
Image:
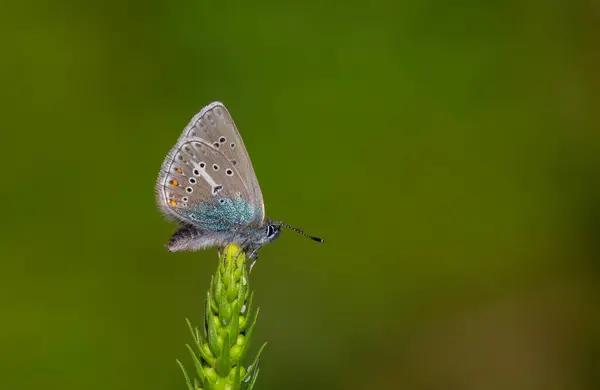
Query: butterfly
[[208, 185]]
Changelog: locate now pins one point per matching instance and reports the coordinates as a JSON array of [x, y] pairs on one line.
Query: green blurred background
[[447, 151]]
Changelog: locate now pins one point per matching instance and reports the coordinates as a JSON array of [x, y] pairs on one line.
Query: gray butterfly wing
[[207, 179], [214, 125]]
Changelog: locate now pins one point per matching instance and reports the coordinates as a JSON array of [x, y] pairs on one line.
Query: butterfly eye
[[271, 230]]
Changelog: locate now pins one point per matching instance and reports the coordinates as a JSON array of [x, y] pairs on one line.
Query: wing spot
[[192, 180], [217, 145], [202, 165], [215, 167], [217, 189], [189, 190], [174, 182], [173, 202], [222, 201], [232, 145], [178, 170], [229, 172], [222, 140], [185, 199], [180, 157], [234, 162]]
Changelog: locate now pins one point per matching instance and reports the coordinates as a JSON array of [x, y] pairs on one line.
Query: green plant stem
[[218, 350]]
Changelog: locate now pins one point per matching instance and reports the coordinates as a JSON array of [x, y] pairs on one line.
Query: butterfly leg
[[254, 252], [243, 247], [253, 256], [254, 260]]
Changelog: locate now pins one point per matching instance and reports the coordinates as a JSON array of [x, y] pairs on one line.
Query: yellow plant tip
[[232, 250]]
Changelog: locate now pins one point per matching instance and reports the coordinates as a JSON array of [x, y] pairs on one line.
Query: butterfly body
[[207, 183], [191, 238]]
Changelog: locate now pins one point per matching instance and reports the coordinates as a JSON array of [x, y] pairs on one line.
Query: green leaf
[[234, 323], [213, 334], [223, 364], [253, 380], [253, 368], [249, 334], [244, 322], [197, 364], [185, 374]]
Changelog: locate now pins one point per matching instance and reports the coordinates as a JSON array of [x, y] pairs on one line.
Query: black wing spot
[[217, 189]]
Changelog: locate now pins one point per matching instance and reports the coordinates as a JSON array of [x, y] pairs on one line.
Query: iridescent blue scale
[[223, 215]]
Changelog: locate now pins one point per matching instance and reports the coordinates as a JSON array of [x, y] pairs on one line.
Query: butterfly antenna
[[301, 232]]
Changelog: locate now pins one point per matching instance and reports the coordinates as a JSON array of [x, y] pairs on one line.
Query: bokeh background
[[447, 151]]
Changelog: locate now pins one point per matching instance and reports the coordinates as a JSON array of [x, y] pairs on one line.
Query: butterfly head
[[271, 231]]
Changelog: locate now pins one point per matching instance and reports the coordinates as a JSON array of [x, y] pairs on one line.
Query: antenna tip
[[317, 239]]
